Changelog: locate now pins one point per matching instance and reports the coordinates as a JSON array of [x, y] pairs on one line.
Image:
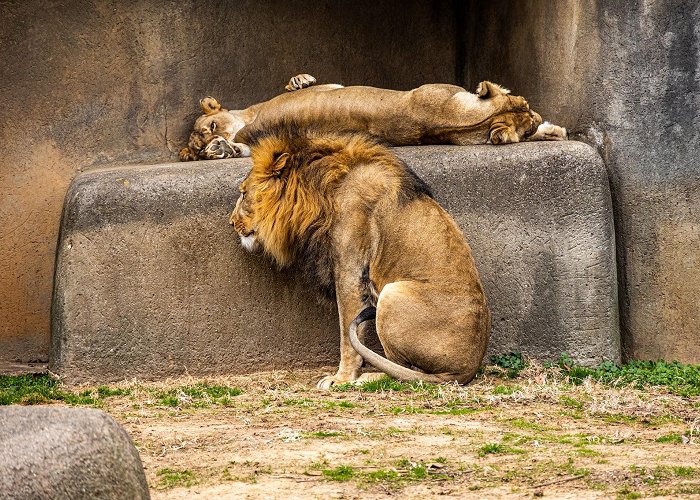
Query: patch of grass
[[571, 469], [171, 478], [33, 389], [381, 476], [107, 392], [682, 471], [340, 473], [619, 419], [625, 493], [323, 434], [339, 404], [386, 384], [512, 362], [677, 378], [571, 402], [458, 411], [498, 448], [405, 410], [673, 437], [505, 389], [521, 423], [199, 395]]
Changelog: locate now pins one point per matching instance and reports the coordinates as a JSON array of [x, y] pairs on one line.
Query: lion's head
[[216, 122], [282, 205]]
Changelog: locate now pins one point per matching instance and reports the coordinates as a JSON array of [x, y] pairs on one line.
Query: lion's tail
[[389, 367]]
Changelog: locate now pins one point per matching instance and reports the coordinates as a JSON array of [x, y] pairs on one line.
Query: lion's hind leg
[[421, 326]]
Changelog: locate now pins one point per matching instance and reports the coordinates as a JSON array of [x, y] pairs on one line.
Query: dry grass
[[529, 435]]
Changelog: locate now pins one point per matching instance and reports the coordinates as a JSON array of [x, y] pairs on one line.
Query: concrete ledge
[[67, 453], [151, 281]]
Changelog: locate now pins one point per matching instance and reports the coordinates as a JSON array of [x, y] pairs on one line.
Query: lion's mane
[[294, 206]]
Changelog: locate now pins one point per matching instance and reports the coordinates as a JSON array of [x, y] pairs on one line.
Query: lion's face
[[215, 122], [243, 217]]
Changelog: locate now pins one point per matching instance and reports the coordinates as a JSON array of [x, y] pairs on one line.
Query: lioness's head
[[215, 122]]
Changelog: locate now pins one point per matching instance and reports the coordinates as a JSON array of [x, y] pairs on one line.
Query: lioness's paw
[[220, 148], [552, 132], [186, 154], [300, 82]]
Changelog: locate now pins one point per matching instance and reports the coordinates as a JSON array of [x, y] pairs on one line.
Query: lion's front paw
[[220, 148], [329, 381], [300, 82]]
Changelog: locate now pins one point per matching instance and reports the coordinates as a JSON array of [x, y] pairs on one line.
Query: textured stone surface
[[57, 453], [151, 280], [626, 76]]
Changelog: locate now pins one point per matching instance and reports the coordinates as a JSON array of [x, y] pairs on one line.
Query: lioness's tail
[[389, 367]]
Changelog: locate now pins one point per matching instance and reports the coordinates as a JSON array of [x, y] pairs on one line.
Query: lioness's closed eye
[[377, 256]]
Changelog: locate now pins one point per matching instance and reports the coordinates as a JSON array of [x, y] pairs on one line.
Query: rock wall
[[624, 75]]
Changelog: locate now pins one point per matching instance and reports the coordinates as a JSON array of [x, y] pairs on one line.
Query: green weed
[[171, 478], [498, 448], [673, 437], [341, 473], [677, 378], [512, 362]]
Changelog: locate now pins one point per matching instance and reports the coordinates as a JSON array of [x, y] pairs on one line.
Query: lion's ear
[[487, 89], [279, 162], [209, 105]]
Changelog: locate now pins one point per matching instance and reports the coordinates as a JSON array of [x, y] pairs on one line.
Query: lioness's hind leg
[[300, 82]]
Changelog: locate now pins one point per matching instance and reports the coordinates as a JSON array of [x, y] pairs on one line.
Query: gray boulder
[[60, 453]]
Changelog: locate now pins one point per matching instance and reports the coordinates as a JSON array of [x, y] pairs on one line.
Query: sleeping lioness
[[431, 114], [365, 230]]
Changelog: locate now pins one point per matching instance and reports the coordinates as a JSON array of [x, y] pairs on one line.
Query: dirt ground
[[533, 435]]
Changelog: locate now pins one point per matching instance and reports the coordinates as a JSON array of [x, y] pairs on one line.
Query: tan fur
[[365, 228], [430, 114]]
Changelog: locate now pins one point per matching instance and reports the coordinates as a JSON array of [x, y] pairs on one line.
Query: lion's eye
[[213, 127]]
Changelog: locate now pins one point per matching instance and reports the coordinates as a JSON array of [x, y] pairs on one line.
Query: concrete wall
[[626, 75], [93, 83]]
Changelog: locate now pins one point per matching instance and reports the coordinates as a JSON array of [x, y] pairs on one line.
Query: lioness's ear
[[278, 163], [209, 105], [487, 89]]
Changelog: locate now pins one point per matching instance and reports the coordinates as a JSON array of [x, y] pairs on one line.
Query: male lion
[[367, 230], [430, 114]]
